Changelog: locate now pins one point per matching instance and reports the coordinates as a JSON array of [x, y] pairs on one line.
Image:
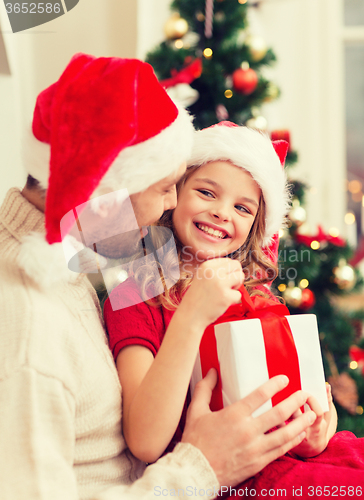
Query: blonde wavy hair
[[258, 268]]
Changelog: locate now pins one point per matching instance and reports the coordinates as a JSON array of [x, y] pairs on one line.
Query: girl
[[231, 202]]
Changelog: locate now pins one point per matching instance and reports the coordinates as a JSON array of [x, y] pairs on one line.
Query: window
[[353, 39]]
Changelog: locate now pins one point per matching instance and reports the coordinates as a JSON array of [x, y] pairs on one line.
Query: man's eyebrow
[[215, 184], [168, 185]]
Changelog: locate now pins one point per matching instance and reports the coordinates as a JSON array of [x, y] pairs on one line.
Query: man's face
[[124, 220], [153, 202]]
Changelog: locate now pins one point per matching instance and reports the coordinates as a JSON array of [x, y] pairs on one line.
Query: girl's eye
[[241, 208], [205, 192]]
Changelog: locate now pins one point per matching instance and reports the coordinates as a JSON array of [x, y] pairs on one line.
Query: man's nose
[[170, 200]]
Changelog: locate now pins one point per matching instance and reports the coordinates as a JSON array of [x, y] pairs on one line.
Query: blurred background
[[293, 69]]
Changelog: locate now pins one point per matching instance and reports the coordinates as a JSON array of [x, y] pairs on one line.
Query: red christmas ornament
[[245, 80], [357, 354], [308, 299]]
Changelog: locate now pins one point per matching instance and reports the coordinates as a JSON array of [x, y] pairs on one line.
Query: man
[[105, 126]]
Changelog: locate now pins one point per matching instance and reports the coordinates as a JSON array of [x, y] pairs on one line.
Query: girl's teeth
[[212, 232]]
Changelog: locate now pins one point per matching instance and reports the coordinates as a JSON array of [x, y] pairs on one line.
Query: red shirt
[[136, 324]]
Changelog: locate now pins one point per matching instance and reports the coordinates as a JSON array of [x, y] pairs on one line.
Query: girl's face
[[215, 211]]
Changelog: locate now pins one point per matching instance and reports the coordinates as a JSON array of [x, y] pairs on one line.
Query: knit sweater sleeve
[[184, 472], [37, 438]]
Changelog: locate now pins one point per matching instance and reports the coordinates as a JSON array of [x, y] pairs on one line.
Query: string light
[[353, 365], [178, 44], [207, 53], [282, 287], [304, 283], [315, 245], [349, 218], [334, 232], [354, 186], [228, 93]]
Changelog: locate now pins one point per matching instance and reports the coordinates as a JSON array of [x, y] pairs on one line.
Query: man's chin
[[120, 246]]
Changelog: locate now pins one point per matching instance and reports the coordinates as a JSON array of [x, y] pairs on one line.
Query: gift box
[[254, 341]]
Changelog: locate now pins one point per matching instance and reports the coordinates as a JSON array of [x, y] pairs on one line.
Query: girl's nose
[[221, 212]]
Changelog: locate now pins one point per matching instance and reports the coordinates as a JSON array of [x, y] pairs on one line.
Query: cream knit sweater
[[60, 397]]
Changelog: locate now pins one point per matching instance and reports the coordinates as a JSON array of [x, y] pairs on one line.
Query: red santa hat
[[255, 153], [106, 124]]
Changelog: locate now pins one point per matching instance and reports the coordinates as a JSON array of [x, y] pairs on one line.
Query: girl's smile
[[216, 209], [213, 231]]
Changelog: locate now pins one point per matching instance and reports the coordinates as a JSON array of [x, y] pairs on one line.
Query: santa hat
[[105, 125], [255, 153]]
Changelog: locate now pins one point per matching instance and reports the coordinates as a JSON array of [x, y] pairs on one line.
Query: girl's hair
[[257, 267]]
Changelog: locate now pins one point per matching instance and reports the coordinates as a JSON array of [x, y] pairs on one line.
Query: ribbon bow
[[281, 353]]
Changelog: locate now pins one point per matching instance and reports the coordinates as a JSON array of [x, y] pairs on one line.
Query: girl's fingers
[[238, 280], [316, 407]]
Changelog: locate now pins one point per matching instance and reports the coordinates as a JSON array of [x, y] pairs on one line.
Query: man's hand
[[321, 431], [235, 443]]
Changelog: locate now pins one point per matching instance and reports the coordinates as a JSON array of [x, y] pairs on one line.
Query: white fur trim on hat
[[254, 152]]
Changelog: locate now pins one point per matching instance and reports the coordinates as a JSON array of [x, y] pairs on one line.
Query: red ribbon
[[281, 353]]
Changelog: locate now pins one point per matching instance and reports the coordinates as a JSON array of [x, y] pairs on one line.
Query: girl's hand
[[321, 431], [214, 288]]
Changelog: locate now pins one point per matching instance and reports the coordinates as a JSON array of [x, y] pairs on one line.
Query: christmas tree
[[210, 48], [214, 63], [314, 269]]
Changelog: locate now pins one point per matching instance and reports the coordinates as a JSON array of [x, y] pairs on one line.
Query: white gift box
[[243, 360]]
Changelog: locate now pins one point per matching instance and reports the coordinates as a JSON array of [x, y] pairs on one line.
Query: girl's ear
[[281, 148]]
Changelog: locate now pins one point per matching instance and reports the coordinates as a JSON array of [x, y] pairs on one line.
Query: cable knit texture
[[60, 397]]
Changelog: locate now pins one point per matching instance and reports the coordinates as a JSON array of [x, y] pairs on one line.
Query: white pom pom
[[184, 94], [45, 264]]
